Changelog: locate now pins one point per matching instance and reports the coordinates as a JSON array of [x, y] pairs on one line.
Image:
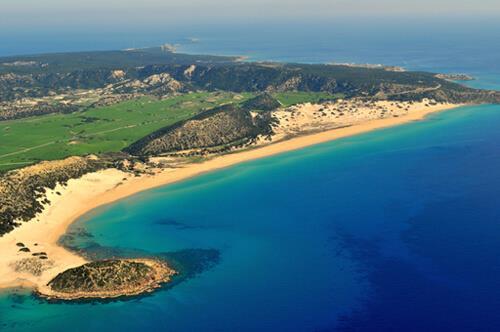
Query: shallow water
[[392, 229]]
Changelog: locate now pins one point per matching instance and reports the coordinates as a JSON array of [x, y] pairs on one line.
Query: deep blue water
[[440, 44], [394, 230]]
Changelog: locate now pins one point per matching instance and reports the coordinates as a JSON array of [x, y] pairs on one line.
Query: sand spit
[[30, 254]]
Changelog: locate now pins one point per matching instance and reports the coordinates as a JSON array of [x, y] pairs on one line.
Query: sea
[[393, 230]]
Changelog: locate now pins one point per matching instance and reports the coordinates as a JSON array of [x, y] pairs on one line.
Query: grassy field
[[111, 128], [292, 98], [104, 129]]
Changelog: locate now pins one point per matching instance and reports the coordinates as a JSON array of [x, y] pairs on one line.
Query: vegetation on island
[[108, 279]]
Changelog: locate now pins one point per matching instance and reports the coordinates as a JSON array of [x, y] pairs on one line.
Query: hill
[[67, 82], [215, 130]]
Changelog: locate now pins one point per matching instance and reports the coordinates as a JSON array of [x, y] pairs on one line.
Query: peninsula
[[111, 124]]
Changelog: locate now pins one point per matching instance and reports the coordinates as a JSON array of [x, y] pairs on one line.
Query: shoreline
[[94, 190]]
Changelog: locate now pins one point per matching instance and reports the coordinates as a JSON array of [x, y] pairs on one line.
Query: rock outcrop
[[108, 279]]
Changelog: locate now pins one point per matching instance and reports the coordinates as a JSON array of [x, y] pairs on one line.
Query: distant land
[[370, 66], [455, 77], [80, 130]]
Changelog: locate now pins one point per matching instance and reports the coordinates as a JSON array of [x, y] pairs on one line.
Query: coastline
[[104, 187]]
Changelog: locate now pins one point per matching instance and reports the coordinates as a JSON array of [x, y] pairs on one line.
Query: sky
[[27, 13]]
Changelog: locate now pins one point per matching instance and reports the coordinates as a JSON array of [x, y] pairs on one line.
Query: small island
[[108, 279]]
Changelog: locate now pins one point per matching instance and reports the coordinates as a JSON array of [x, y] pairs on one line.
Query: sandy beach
[[96, 189]]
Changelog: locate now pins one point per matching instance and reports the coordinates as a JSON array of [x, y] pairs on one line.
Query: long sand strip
[[96, 189]]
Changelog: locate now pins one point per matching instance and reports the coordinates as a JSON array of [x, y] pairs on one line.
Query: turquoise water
[[394, 230]]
